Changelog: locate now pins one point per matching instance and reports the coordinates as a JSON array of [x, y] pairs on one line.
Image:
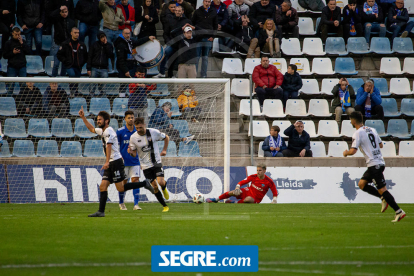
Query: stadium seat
[[260, 129], [299, 8], [47, 148], [347, 130], [388, 149], [71, 149], [322, 66], [111, 69], [358, 45], [400, 86], [240, 87], [161, 90], [345, 66], [408, 67], [82, 131], [189, 150], [379, 127], [390, 66], [319, 108], [75, 106], [336, 148], [249, 65], [335, 46], [273, 109], [5, 150], [398, 128], [119, 106], [34, 65], [407, 107], [283, 125], [232, 66], [296, 108], [216, 48], [245, 108], [23, 148], [3, 88], [15, 128], [62, 128], [114, 124], [381, 45], [151, 107], [46, 42], [312, 46], [85, 88], [303, 66], [260, 152], [328, 128], [100, 104], [403, 45], [49, 61], [382, 86], [309, 127], [356, 83], [7, 106], [182, 127], [280, 64], [39, 128], [305, 25], [171, 150], [174, 106], [3, 66], [390, 107], [328, 85], [318, 149], [309, 87], [291, 47], [406, 149], [93, 148]]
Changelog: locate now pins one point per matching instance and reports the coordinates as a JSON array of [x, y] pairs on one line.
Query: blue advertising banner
[[3, 185]]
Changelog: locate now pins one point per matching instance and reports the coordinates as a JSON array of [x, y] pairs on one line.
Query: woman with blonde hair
[[267, 41]]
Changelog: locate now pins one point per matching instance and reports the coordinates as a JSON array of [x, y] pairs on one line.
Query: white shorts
[[132, 171]]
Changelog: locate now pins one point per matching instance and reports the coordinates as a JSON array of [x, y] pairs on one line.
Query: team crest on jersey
[[125, 135]]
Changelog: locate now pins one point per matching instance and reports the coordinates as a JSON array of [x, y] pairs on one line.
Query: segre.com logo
[[205, 258]]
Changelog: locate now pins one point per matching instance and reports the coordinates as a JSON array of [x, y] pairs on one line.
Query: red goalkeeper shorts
[[245, 193]]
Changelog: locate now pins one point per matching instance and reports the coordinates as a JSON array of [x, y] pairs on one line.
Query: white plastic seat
[[328, 128], [312, 46], [273, 109], [327, 85], [280, 64], [309, 87], [406, 149], [291, 47], [305, 25], [319, 108], [309, 127], [347, 130], [245, 107], [216, 48], [283, 125], [400, 86], [408, 66], [322, 66], [389, 149], [390, 66], [337, 148], [296, 6], [232, 66], [249, 65], [260, 129], [240, 87], [296, 108], [303, 66], [318, 149], [260, 152]]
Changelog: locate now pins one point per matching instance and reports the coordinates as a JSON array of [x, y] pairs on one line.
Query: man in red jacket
[[268, 81]]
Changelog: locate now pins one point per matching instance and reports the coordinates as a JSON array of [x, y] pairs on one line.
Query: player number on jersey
[[372, 139]]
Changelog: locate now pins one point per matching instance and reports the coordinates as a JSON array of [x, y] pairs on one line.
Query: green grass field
[[293, 239]]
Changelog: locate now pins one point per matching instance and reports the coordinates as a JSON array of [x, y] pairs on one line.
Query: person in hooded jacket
[[31, 17], [89, 15], [147, 14], [292, 82]]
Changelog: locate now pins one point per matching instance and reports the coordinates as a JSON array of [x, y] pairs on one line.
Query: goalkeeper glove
[[274, 201], [237, 191]]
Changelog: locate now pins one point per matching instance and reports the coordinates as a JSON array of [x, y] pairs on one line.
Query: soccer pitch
[[293, 239]]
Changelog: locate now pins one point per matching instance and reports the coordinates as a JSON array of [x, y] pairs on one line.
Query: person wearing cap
[[299, 141], [187, 54]]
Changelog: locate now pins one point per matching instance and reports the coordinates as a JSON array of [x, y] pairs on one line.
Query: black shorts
[[152, 173], [375, 175], [115, 173]]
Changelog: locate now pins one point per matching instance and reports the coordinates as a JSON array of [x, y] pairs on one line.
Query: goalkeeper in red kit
[[260, 184]]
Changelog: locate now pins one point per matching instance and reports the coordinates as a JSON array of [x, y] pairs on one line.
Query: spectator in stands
[[147, 14], [29, 100], [237, 10], [138, 95], [73, 55], [287, 19], [188, 104], [299, 141], [31, 17], [268, 81], [312, 5], [368, 101], [260, 12], [55, 6], [341, 103], [205, 19], [267, 41], [386, 5], [188, 9], [373, 19], [250, 3], [129, 14], [330, 20], [223, 24], [7, 20], [63, 25], [398, 20], [187, 54], [244, 39], [113, 18], [139, 3], [89, 15], [56, 101], [274, 144], [168, 10], [352, 21], [15, 51], [292, 82]]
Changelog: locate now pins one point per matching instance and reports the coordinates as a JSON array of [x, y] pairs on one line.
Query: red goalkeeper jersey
[[259, 187]]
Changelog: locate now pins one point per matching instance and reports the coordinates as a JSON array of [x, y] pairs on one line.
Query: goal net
[[48, 154]]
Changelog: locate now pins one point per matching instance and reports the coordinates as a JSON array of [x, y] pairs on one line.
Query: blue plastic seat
[[3, 88], [161, 90], [93, 148], [398, 128], [182, 127], [174, 106], [111, 89], [7, 106], [15, 128], [71, 149], [335, 46], [49, 65], [47, 148], [355, 83], [390, 107], [345, 66], [358, 45], [189, 150], [3, 63], [100, 104], [381, 45], [403, 45], [378, 125], [5, 150], [62, 128], [382, 86], [76, 104], [46, 42], [151, 106], [82, 131], [120, 105], [171, 150], [114, 124], [23, 148], [34, 65], [39, 128], [407, 107]]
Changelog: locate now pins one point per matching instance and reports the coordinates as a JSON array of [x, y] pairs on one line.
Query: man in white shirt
[[370, 144], [114, 164]]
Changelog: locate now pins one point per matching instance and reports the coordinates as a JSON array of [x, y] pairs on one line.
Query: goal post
[[49, 156]]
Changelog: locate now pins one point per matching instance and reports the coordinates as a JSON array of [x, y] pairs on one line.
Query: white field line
[[336, 247], [355, 263], [307, 272], [73, 265]]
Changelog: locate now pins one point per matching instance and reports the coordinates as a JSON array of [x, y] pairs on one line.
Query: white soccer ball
[[198, 198]]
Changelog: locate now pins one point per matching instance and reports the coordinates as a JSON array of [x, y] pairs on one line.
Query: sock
[[160, 198], [102, 201], [224, 196], [390, 200], [371, 190], [136, 196], [121, 197], [133, 185], [163, 188]]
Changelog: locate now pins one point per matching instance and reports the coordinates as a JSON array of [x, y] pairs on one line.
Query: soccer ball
[[198, 198]]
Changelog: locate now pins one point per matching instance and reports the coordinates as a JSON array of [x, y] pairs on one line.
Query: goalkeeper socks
[[136, 196], [371, 190], [165, 186], [390, 200], [121, 197], [102, 201], [224, 196], [160, 199], [134, 185]]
